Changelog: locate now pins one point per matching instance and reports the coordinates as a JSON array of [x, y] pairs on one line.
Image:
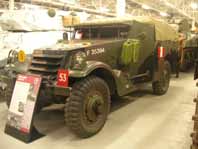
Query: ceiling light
[[194, 5], [104, 9], [169, 4], [145, 6], [164, 14]]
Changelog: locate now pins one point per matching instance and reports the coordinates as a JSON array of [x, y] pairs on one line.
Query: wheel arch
[[107, 76], [98, 69]]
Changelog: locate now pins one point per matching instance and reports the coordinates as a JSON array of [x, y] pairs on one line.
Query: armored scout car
[[105, 58]]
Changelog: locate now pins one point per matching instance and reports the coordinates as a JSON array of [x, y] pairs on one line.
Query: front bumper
[[50, 89], [60, 91]]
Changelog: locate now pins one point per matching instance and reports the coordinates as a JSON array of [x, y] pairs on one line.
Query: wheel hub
[[94, 107]]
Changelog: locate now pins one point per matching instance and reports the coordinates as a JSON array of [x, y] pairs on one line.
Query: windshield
[[101, 33]]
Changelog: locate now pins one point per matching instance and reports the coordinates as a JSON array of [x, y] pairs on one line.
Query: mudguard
[[91, 66], [123, 83]]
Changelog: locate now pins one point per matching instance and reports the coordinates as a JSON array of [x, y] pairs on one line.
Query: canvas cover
[[163, 30]]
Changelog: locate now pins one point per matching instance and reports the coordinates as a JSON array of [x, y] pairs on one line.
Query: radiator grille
[[46, 63]]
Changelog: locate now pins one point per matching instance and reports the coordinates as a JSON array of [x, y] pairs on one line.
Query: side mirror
[[65, 36]]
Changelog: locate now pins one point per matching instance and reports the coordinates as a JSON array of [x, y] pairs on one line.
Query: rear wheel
[[87, 108], [161, 87]]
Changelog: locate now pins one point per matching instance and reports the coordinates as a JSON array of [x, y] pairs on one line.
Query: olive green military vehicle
[[189, 53], [194, 134], [105, 58]]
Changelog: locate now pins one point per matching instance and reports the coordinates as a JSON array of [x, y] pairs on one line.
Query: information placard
[[22, 107]]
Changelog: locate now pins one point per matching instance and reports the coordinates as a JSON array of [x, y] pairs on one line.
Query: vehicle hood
[[78, 44]]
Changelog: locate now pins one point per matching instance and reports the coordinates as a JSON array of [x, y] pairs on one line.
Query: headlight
[[18, 61], [79, 60], [12, 57], [15, 56]]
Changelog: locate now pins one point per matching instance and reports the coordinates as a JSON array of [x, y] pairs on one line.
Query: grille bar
[[46, 63], [43, 69], [48, 56]]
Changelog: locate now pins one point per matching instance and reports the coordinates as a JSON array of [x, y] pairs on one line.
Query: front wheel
[[161, 86], [87, 108]]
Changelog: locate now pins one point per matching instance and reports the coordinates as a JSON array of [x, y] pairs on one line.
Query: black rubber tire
[[161, 87], [75, 107]]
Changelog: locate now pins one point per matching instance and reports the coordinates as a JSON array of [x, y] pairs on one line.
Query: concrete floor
[[142, 121]]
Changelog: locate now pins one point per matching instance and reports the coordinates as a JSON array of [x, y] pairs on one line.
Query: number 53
[[63, 77]]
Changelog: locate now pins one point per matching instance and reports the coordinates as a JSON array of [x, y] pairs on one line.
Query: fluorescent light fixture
[[68, 2], [145, 6], [164, 14], [83, 16], [104, 9], [121, 8], [194, 5], [169, 5]]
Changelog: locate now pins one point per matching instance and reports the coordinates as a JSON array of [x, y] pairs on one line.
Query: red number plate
[[62, 78]]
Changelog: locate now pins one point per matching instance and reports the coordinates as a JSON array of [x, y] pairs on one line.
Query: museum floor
[[142, 121]]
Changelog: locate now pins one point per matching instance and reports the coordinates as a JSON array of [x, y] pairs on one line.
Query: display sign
[[22, 107], [63, 78]]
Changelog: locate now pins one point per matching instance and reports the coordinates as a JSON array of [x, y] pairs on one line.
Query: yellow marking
[[21, 56]]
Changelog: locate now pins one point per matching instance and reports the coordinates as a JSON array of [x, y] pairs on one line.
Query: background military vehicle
[[189, 53], [105, 58], [194, 134]]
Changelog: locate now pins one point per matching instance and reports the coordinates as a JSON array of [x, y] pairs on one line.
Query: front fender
[[91, 66], [123, 84]]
